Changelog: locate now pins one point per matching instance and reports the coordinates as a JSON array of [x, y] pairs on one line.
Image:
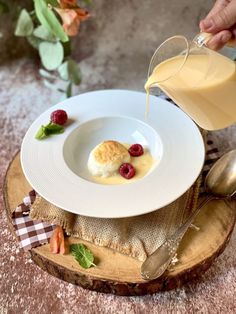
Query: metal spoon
[[220, 182]]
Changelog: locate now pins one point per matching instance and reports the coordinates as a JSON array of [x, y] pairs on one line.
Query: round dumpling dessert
[[106, 158]]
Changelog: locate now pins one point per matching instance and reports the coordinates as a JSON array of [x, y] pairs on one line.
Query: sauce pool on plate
[[142, 164]]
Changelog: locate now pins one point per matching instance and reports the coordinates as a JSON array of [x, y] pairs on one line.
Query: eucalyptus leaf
[[51, 54], [24, 26], [47, 75], [69, 90], [49, 20], [50, 85], [43, 33], [63, 71], [34, 41], [69, 71]]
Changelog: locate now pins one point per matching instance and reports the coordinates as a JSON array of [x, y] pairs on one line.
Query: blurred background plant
[[4, 8], [48, 26]]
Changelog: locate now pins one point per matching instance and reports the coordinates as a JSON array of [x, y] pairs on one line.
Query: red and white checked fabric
[[30, 233]]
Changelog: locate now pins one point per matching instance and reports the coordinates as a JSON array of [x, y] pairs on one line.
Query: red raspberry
[[127, 171], [59, 117], [136, 150]]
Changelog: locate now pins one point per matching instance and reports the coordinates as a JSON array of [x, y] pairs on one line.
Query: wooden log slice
[[119, 274]]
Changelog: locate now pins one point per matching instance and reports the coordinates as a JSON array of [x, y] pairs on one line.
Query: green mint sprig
[[49, 129], [82, 255]]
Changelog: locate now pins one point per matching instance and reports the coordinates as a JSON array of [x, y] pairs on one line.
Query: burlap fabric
[[135, 236]]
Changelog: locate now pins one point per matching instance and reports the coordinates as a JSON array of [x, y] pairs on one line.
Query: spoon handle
[[155, 264]]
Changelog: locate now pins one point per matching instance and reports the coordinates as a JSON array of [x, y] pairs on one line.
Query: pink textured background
[[114, 48]]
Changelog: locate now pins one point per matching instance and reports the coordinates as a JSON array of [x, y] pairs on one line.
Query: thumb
[[221, 20]]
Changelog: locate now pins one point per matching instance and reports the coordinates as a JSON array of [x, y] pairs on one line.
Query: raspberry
[[136, 150], [127, 171], [59, 117]]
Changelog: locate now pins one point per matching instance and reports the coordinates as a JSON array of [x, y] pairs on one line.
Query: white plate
[[56, 167]]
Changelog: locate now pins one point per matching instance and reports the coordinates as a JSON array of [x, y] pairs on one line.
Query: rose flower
[[71, 15]]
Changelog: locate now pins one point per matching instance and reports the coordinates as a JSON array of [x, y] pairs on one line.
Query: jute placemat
[[135, 236]]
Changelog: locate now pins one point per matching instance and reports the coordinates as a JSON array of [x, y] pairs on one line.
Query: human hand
[[221, 22]]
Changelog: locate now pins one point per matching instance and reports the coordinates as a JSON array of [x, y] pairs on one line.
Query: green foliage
[[51, 54], [4, 8], [24, 26], [69, 71], [45, 74], [67, 48], [73, 77], [83, 255], [48, 19], [49, 129], [43, 33], [34, 41], [69, 90], [43, 30], [54, 3]]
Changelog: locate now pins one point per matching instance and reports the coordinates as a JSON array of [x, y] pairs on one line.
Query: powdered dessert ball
[[106, 158]]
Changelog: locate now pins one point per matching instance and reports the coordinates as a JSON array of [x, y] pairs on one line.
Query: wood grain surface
[[117, 273]]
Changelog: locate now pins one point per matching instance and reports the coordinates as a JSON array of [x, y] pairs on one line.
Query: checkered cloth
[[30, 233], [33, 233]]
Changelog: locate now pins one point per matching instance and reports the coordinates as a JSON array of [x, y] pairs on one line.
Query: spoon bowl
[[220, 182], [221, 179]]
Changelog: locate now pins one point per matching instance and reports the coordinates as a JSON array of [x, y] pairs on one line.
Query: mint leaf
[[53, 128], [49, 129], [82, 255], [41, 133]]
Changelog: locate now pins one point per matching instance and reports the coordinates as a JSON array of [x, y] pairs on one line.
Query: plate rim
[[107, 91]]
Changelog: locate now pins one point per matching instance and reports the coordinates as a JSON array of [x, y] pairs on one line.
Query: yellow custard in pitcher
[[204, 86]]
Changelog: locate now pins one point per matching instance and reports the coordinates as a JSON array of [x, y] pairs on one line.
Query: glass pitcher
[[201, 81]]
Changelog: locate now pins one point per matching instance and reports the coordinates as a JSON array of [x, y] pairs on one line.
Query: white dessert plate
[[56, 167]]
